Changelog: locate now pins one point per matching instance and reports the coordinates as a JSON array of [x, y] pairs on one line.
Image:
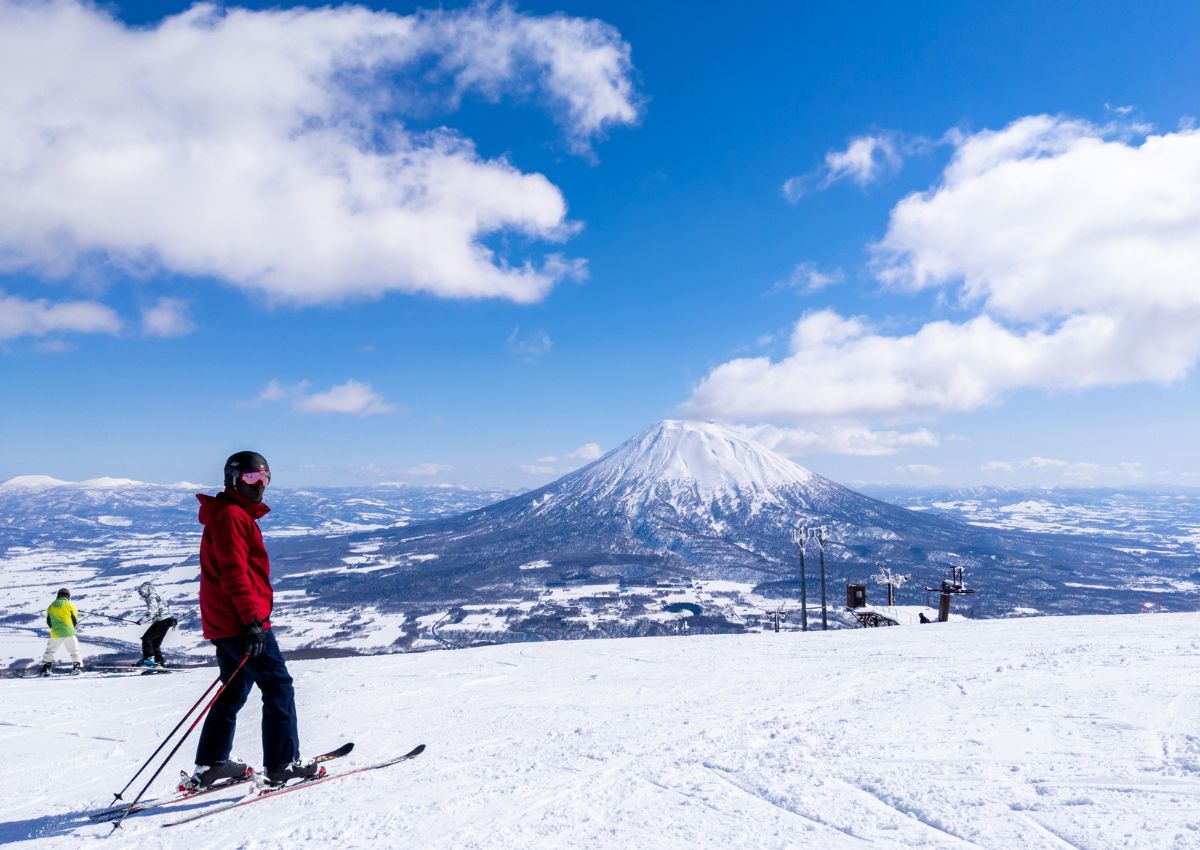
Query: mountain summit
[[706, 455], [702, 463], [701, 475]]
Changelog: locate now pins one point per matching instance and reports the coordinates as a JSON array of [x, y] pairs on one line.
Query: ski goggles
[[256, 476]]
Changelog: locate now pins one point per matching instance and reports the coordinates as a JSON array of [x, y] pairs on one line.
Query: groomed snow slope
[[1039, 733]]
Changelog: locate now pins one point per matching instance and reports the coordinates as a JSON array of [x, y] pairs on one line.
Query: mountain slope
[[687, 500]]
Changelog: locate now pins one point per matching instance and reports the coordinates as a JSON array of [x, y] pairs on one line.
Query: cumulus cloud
[[1077, 472], [22, 317], [924, 469], [865, 160], [560, 465], [1074, 247], [587, 452], [1029, 463], [808, 278], [530, 346], [428, 469], [839, 438], [275, 150], [167, 317], [351, 398]]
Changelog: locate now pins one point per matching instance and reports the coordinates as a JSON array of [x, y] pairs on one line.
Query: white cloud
[[1078, 472], [428, 469], [1077, 248], [838, 438], [530, 347], [21, 317], [269, 148], [808, 278], [353, 398], [167, 317], [1029, 463], [561, 465], [587, 452], [924, 469], [274, 391], [865, 160]]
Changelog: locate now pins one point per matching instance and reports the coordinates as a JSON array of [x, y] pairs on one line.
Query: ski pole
[[110, 617], [184, 737], [118, 795]]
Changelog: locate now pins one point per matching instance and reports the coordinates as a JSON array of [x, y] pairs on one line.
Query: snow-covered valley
[[1041, 733], [687, 527]]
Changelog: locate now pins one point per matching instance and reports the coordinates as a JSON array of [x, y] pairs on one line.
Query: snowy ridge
[[46, 482], [33, 482]]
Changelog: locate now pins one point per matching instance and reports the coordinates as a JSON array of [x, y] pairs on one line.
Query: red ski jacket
[[235, 572]]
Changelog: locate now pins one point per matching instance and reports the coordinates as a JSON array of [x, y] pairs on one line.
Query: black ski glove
[[256, 639]]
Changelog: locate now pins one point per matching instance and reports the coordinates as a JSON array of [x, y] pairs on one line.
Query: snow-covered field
[[1037, 733]]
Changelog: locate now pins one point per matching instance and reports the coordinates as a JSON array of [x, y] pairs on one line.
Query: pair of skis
[[185, 793], [256, 792]]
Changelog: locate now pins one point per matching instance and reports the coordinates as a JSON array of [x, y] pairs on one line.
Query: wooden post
[[944, 606]]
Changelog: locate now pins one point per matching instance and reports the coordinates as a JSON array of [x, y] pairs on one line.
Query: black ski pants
[[152, 640], [280, 735]]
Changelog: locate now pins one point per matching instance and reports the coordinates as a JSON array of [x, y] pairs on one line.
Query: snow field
[[1033, 733]]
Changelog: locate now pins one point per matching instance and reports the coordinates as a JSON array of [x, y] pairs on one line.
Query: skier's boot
[[46, 665], [76, 668], [296, 770], [146, 662], [207, 775]]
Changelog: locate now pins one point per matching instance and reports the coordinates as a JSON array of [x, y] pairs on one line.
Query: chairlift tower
[[820, 537], [801, 535], [955, 586], [892, 579]]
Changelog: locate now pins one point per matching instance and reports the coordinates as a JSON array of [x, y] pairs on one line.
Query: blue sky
[[948, 243]]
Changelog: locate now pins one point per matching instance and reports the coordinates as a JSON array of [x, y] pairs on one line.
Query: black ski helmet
[[243, 462], [63, 592]]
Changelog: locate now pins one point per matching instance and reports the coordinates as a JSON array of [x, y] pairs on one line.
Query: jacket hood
[[210, 504]]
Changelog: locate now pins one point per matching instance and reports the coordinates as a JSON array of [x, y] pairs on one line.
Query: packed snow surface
[[1041, 734]]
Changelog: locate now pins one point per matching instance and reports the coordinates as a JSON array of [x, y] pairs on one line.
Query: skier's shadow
[[47, 826], [69, 823]]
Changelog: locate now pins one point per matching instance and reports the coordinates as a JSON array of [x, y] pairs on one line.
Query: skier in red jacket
[[235, 612]]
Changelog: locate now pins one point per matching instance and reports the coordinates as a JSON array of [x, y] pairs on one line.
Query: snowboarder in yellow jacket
[[62, 618]]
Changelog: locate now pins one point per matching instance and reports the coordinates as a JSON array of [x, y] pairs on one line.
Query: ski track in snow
[[1038, 734]]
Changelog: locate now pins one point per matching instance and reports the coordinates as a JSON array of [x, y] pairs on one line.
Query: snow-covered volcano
[[689, 500], [697, 477]]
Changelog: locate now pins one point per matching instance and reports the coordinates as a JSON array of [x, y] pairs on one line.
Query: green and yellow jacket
[[62, 618]]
